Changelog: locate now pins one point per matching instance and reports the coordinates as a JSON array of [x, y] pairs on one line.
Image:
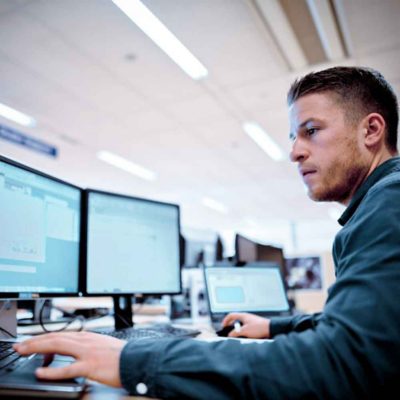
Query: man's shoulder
[[391, 180]]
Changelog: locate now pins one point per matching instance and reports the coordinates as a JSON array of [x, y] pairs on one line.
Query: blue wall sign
[[22, 139]]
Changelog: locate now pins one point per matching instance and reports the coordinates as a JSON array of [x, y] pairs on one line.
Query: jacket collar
[[389, 166]]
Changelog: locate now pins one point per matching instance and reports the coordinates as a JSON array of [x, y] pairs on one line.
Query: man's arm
[[297, 323], [254, 326]]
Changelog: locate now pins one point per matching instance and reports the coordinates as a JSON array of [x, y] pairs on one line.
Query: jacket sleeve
[[353, 352], [297, 323], [294, 366]]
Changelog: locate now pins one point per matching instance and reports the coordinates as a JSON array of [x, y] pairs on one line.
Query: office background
[[94, 82]]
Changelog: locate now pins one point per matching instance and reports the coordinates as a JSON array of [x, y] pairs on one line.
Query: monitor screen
[[245, 290], [39, 235], [132, 245]]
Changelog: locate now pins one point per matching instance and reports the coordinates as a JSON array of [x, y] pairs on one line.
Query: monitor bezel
[[49, 295], [86, 194]]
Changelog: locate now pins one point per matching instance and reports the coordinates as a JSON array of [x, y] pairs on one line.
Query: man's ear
[[374, 127]]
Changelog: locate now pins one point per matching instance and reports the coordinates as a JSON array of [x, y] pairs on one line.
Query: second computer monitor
[[132, 245]]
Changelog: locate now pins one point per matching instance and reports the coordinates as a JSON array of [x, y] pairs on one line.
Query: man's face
[[327, 147]]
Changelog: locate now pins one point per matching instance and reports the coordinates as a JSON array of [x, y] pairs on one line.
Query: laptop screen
[[245, 289]]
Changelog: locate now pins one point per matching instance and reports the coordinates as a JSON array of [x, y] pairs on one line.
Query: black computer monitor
[[219, 250], [249, 251], [40, 220], [132, 248], [245, 249]]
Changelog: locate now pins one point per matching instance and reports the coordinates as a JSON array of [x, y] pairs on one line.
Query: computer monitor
[[248, 251], [245, 249], [132, 248], [219, 250], [202, 252], [40, 220]]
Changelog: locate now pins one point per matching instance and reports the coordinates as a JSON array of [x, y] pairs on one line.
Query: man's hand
[[253, 326], [97, 356]]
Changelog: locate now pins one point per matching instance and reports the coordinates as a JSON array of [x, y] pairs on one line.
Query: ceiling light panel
[[263, 140], [126, 165], [16, 116], [162, 37]]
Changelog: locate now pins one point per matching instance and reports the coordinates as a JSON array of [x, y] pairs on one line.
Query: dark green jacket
[[349, 351]]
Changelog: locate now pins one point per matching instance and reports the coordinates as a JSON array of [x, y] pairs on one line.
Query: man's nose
[[298, 152]]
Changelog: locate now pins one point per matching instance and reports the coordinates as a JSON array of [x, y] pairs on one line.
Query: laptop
[[258, 290], [17, 376]]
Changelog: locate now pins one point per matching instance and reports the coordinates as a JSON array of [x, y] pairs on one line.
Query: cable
[[75, 318], [7, 332]]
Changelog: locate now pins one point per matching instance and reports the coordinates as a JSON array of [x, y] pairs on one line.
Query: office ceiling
[[94, 81]]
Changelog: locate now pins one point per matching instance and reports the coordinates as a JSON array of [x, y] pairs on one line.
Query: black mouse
[[224, 332]]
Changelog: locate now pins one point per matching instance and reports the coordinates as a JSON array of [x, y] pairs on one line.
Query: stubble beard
[[341, 180]]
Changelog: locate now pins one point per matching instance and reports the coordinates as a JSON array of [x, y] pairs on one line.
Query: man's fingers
[[231, 318], [238, 332], [70, 371], [56, 344]]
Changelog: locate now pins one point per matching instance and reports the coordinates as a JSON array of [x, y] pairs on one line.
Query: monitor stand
[[8, 319], [123, 314]]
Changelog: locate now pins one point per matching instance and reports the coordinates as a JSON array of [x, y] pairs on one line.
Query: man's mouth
[[306, 172]]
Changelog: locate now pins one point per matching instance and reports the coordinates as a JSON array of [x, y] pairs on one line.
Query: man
[[344, 131]]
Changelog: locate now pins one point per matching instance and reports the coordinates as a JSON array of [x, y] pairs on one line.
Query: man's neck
[[380, 159], [376, 161]]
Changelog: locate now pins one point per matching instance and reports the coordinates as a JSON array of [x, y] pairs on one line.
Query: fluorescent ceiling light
[[214, 205], [16, 116], [162, 37], [128, 166], [263, 140]]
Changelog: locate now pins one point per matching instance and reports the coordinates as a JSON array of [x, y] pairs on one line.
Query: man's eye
[[311, 131]]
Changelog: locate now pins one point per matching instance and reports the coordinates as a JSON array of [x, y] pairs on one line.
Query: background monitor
[[248, 251], [132, 245], [245, 249], [219, 249], [39, 234], [202, 252]]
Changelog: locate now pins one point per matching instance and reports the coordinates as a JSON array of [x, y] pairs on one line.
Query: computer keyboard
[[155, 331], [9, 357]]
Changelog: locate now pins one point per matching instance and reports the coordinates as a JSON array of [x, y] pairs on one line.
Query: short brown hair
[[361, 90]]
